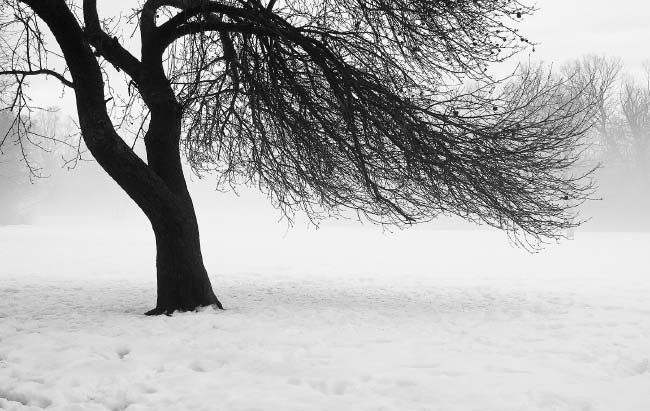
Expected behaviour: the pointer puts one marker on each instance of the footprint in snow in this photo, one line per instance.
(122, 352)
(405, 382)
(338, 387)
(198, 367)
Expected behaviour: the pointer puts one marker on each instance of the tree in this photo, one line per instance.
(25, 156)
(597, 77)
(10, 175)
(18, 192)
(635, 105)
(325, 106)
(620, 137)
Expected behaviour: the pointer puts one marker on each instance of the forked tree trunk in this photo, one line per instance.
(158, 187)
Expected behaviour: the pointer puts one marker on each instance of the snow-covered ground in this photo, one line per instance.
(337, 319)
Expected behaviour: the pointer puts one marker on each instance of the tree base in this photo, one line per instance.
(169, 311)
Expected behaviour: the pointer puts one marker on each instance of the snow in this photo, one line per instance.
(334, 319)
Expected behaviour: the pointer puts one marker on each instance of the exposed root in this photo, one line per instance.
(168, 312)
(157, 311)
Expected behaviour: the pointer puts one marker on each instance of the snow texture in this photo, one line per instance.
(327, 320)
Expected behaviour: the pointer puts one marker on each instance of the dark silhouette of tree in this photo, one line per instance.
(382, 107)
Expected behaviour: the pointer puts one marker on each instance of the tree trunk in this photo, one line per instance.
(183, 282)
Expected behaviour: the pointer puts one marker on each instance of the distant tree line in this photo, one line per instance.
(26, 157)
(619, 139)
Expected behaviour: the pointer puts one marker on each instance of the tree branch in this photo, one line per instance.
(47, 72)
(198, 27)
(107, 46)
(179, 25)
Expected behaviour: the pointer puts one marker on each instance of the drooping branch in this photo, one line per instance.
(314, 130)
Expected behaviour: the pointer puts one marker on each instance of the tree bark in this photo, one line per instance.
(183, 282)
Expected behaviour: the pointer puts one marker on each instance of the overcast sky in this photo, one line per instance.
(570, 28)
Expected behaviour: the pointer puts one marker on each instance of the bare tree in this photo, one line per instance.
(324, 105)
(597, 78)
(18, 194)
(635, 106)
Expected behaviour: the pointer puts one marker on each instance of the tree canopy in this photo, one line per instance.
(387, 108)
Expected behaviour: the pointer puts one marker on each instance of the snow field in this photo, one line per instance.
(328, 320)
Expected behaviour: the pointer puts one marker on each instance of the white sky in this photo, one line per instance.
(570, 28)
